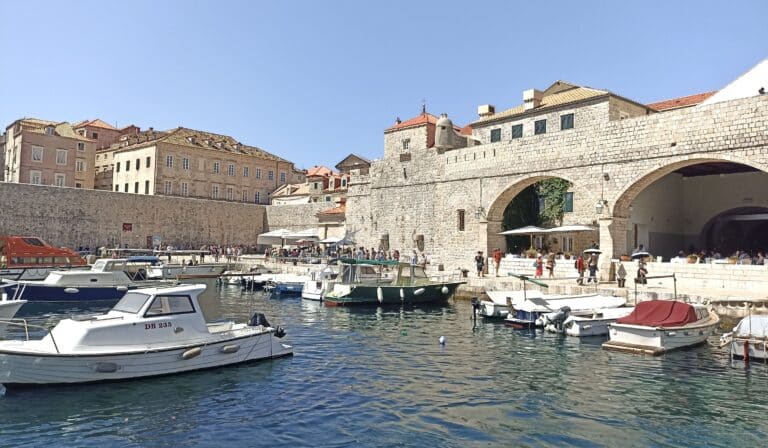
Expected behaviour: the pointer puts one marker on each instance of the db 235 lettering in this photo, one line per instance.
(156, 325)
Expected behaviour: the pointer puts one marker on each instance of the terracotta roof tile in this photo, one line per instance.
(97, 123)
(340, 210)
(422, 118)
(319, 171)
(683, 101)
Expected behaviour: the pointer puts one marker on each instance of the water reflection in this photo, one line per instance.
(378, 376)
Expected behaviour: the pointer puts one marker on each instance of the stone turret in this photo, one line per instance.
(445, 136)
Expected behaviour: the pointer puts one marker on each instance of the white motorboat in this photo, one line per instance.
(594, 324)
(530, 311)
(319, 283)
(500, 301)
(286, 283)
(153, 331)
(9, 305)
(748, 339)
(658, 326)
(172, 271)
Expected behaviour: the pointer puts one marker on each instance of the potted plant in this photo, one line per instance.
(625, 257)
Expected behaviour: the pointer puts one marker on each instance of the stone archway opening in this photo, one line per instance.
(536, 201)
(693, 206)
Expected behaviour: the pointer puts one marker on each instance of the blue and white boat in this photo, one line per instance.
(288, 284)
(105, 281)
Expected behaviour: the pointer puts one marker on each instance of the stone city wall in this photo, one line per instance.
(295, 217)
(78, 217)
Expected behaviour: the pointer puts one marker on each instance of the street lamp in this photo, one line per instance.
(602, 203)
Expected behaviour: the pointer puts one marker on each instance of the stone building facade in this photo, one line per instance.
(451, 204)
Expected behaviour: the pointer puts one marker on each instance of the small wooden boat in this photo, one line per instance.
(149, 332)
(659, 326)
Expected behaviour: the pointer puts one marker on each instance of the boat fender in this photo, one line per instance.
(418, 292)
(71, 290)
(232, 348)
(122, 288)
(380, 294)
(105, 367)
(402, 293)
(279, 333)
(746, 352)
(445, 290)
(192, 353)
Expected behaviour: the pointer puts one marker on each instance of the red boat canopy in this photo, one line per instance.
(661, 313)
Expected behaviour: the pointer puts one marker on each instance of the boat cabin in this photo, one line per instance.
(105, 272)
(142, 319)
(392, 273)
(32, 252)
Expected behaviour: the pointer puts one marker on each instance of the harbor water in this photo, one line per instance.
(379, 377)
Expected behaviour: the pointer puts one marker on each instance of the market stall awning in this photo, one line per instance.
(527, 230)
(277, 236)
(571, 228)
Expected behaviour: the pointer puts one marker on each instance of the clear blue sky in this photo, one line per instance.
(313, 81)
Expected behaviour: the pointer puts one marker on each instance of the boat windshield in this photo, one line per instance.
(131, 302)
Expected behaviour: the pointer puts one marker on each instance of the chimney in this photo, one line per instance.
(486, 110)
(532, 98)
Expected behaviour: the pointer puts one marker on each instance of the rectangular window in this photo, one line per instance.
(61, 157)
(167, 305)
(271, 175)
(282, 177)
(168, 187)
(230, 194)
(149, 161)
(184, 189)
(257, 197)
(136, 187)
(125, 187)
(343, 183)
(35, 177)
(245, 171)
(37, 153)
(460, 221)
(95, 135)
(79, 165)
(540, 127)
(78, 185)
(566, 121)
(327, 199)
(215, 191)
(169, 161)
(216, 167)
(258, 173)
(245, 195)
(517, 131)
(315, 185)
(495, 135)
(117, 167)
(146, 187)
(231, 170)
(117, 187)
(185, 164)
(568, 202)
(406, 144)
(80, 146)
(59, 179)
(127, 165)
(138, 164)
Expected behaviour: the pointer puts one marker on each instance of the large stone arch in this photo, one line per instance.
(613, 228)
(495, 212)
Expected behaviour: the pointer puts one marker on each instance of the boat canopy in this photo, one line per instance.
(661, 313)
(755, 326)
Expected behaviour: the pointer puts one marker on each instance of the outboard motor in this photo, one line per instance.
(475, 307)
(258, 319)
(558, 319)
(279, 333)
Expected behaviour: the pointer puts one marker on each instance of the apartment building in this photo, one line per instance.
(48, 153)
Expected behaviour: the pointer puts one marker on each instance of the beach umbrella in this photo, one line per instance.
(527, 230)
(571, 228)
(273, 237)
(593, 251)
(640, 254)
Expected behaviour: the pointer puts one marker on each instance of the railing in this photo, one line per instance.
(19, 322)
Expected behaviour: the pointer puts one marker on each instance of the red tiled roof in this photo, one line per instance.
(684, 101)
(319, 171)
(340, 210)
(97, 123)
(466, 130)
(423, 118)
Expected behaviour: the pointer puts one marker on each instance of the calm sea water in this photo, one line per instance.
(378, 377)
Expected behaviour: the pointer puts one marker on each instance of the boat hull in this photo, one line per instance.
(27, 369)
(42, 293)
(390, 295)
(754, 348)
(491, 310)
(288, 288)
(171, 272)
(657, 340)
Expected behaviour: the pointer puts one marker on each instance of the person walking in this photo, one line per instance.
(642, 273)
(580, 268)
(621, 275)
(551, 265)
(496, 260)
(539, 264)
(592, 266)
(479, 263)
